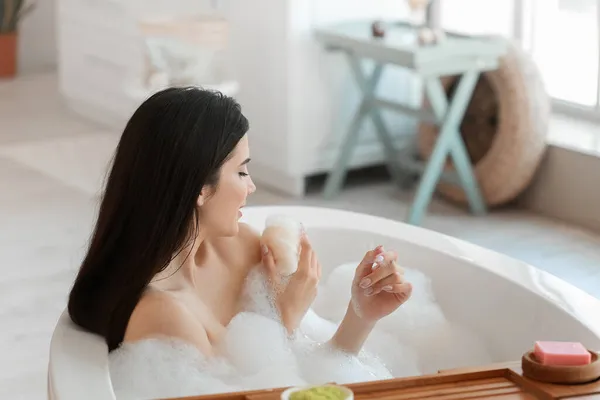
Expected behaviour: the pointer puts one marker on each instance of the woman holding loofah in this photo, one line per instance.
(378, 288)
(169, 257)
(376, 292)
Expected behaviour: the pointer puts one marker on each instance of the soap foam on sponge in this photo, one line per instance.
(282, 236)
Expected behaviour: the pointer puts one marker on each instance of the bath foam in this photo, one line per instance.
(419, 327)
(163, 368)
(398, 358)
(244, 344)
(257, 353)
(255, 294)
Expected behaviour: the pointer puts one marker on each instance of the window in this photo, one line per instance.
(561, 35)
(563, 40)
(477, 17)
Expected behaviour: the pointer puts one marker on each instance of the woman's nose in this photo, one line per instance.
(251, 187)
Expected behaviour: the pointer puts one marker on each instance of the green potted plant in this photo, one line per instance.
(11, 13)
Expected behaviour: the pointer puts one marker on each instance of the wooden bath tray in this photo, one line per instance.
(498, 382)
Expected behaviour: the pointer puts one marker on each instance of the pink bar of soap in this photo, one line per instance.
(561, 353)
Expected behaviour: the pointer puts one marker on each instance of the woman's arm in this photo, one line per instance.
(352, 332)
(378, 289)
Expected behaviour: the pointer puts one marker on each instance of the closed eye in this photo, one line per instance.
(243, 164)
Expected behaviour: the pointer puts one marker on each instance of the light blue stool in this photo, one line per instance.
(456, 55)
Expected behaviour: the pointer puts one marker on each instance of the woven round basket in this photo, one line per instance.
(504, 129)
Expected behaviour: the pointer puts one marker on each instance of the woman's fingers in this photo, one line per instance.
(366, 265)
(385, 266)
(269, 263)
(315, 265)
(305, 259)
(402, 291)
(318, 270)
(394, 283)
(309, 268)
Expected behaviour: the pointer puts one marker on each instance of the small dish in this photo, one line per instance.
(346, 391)
(560, 374)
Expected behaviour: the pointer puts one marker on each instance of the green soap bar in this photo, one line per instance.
(319, 393)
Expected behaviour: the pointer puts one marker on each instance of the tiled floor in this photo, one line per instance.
(51, 165)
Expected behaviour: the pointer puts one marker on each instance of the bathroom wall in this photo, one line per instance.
(100, 53)
(38, 36)
(299, 97)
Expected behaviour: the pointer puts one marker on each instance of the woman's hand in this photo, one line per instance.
(295, 298)
(378, 288)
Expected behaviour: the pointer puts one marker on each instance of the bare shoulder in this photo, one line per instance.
(159, 314)
(249, 243)
(242, 249)
(249, 238)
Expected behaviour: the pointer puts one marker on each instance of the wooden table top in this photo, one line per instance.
(499, 381)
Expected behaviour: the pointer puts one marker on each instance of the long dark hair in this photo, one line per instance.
(174, 145)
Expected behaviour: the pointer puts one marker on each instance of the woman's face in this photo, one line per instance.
(220, 211)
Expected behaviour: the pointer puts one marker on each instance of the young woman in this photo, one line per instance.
(168, 256)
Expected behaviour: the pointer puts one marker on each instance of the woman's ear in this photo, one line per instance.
(205, 195)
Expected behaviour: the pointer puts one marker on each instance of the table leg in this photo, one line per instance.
(449, 142)
(458, 150)
(381, 129)
(338, 172)
(367, 86)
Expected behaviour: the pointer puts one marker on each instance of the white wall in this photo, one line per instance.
(298, 97)
(37, 39)
(323, 95)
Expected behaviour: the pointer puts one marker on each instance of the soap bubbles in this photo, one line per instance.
(257, 353)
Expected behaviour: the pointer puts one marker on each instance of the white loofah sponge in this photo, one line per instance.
(282, 236)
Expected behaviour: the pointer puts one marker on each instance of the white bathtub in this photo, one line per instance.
(508, 303)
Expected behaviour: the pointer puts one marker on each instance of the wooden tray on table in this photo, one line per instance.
(498, 382)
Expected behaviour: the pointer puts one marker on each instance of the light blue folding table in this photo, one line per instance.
(459, 55)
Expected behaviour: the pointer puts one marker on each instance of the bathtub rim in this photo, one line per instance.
(581, 305)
